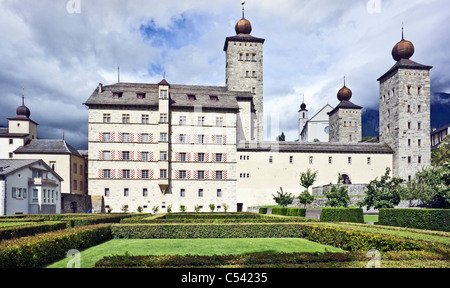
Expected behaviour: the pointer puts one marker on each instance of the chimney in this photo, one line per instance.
(100, 88)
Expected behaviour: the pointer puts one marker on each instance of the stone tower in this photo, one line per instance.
(302, 119)
(244, 71)
(405, 111)
(345, 119)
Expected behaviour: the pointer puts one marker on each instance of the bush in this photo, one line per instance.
(354, 215)
(301, 212)
(262, 210)
(42, 249)
(428, 219)
(29, 230)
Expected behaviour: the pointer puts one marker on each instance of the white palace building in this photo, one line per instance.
(166, 145)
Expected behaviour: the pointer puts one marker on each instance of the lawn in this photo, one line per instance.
(194, 246)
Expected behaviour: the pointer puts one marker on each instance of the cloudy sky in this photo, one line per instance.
(59, 50)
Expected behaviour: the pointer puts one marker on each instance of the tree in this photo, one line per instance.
(139, 209)
(182, 208)
(383, 193)
(337, 197)
(283, 198)
(212, 207)
(441, 154)
(225, 207)
(308, 178)
(305, 198)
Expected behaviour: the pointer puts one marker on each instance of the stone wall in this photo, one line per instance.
(75, 203)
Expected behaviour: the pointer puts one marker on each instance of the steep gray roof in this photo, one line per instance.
(178, 96)
(9, 166)
(47, 147)
(345, 104)
(322, 147)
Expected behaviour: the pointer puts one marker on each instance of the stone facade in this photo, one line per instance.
(405, 117)
(346, 126)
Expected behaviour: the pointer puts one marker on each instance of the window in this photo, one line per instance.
(330, 160)
(81, 169)
(247, 57)
(369, 160)
(182, 138)
(163, 174)
(182, 157)
(409, 142)
(11, 155)
(201, 157)
(419, 108)
(419, 126)
(409, 125)
(126, 174)
(140, 95)
(106, 155)
(201, 139)
(419, 143)
(107, 173)
(219, 121)
(81, 185)
(125, 118)
(182, 192)
(253, 90)
(219, 139)
(144, 174)
(350, 138)
(35, 196)
(219, 175)
(53, 165)
(254, 74)
(219, 192)
(163, 155)
(201, 174)
(192, 98)
(107, 137)
(219, 157)
(145, 119)
(409, 159)
(144, 138)
(291, 159)
(163, 94)
(311, 159)
(409, 108)
(200, 192)
(214, 98)
(126, 192)
(125, 155)
(163, 118)
(182, 174)
(144, 156)
(117, 94)
(253, 57)
(247, 74)
(144, 192)
(183, 120)
(270, 159)
(201, 121)
(349, 160)
(125, 137)
(163, 137)
(240, 56)
(106, 118)
(419, 160)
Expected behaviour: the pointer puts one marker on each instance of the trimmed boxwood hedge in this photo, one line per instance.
(29, 230)
(301, 212)
(428, 219)
(353, 215)
(346, 239)
(43, 249)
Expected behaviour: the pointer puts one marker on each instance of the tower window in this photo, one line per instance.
(409, 159)
(409, 125)
(409, 89)
(409, 108)
(240, 56)
(418, 108)
(419, 126)
(254, 57)
(419, 142)
(419, 89)
(419, 160)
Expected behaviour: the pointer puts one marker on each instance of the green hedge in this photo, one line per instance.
(354, 215)
(43, 249)
(263, 210)
(347, 239)
(428, 219)
(29, 230)
(244, 215)
(300, 212)
(96, 219)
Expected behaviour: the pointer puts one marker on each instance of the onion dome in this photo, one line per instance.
(303, 106)
(23, 111)
(243, 26)
(403, 49)
(345, 94)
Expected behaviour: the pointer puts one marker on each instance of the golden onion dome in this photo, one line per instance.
(243, 26)
(403, 49)
(345, 94)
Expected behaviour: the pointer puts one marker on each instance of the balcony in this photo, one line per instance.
(42, 182)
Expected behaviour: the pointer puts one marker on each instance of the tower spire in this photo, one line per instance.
(403, 38)
(243, 9)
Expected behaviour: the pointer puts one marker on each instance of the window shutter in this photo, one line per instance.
(24, 193)
(13, 192)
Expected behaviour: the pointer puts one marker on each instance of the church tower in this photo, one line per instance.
(302, 119)
(345, 119)
(244, 71)
(405, 111)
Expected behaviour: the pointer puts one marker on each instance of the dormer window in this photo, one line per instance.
(192, 98)
(117, 94)
(163, 94)
(214, 98)
(140, 95)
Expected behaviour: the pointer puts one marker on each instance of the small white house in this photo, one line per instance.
(29, 187)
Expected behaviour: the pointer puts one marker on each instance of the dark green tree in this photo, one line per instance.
(305, 198)
(283, 198)
(383, 193)
(308, 178)
(441, 154)
(337, 197)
